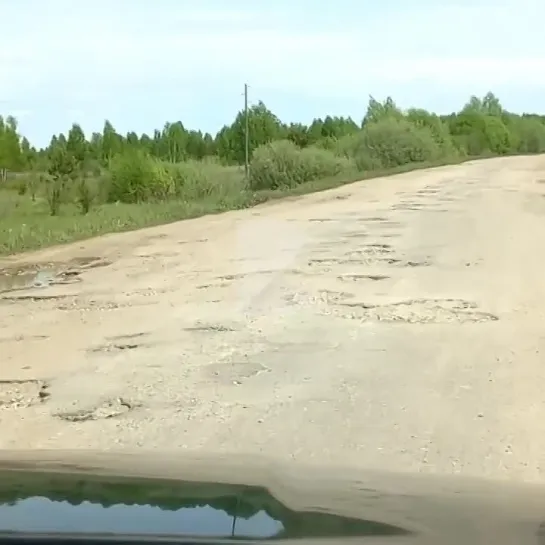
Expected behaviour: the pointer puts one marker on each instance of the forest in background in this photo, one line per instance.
(85, 185)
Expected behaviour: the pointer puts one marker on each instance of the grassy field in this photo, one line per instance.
(26, 224)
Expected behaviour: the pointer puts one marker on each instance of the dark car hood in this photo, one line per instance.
(152, 494)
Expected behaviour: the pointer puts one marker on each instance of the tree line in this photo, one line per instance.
(481, 126)
(173, 143)
(179, 163)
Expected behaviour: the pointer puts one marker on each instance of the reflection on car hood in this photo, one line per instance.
(151, 494)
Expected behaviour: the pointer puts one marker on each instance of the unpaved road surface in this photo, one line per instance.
(392, 324)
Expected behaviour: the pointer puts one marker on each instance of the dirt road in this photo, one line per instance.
(392, 324)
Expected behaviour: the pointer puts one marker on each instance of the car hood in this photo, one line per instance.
(255, 498)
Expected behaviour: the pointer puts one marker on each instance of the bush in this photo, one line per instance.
(84, 195)
(136, 177)
(392, 142)
(531, 134)
(282, 164)
(478, 134)
(320, 163)
(438, 129)
(54, 190)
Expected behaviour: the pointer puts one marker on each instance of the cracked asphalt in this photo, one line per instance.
(395, 323)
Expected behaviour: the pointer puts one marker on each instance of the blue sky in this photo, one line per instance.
(140, 63)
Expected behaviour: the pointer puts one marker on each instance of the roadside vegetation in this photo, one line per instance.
(85, 185)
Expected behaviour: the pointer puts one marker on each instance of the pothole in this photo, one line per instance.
(111, 408)
(127, 337)
(158, 254)
(387, 224)
(22, 279)
(209, 286)
(321, 297)
(20, 394)
(160, 236)
(198, 240)
(358, 277)
(330, 296)
(421, 311)
(324, 261)
(356, 234)
(424, 263)
(336, 198)
(42, 275)
(88, 262)
(374, 219)
(35, 298)
(115, 347)
(371, 250)
(235, 372)
(379, 245)
(74, 303)
(66, 277)
(360, 258)
(240, 276)
(22, 337)
(402, 263)
(210, 328)
(413, 207)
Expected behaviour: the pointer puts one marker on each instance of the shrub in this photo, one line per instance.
(275, 165)
(191, 180)
(322, 163)
(392, 142)
(84, 195)
(136, 177)
(438, 129)
(282, 164)
(531, 134)
(197, 180)
(54, 190)
(479, 134)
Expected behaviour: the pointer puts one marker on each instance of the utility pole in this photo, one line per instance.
(246, 135)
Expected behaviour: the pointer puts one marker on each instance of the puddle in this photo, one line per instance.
(47, 274)
(24, 279)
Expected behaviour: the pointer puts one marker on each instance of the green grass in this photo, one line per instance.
(26, 225)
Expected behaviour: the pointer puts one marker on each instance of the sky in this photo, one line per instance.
(141, 63)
